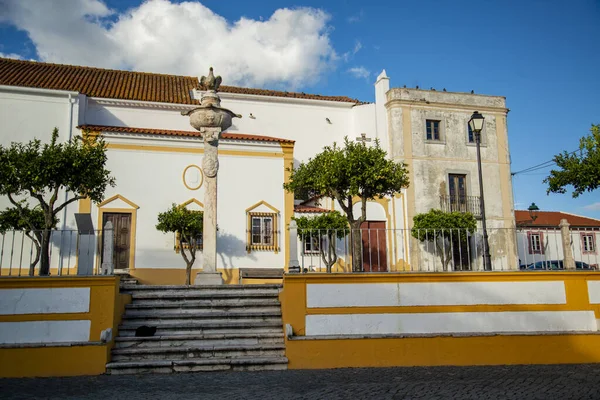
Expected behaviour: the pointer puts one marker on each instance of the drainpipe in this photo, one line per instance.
(71, 101)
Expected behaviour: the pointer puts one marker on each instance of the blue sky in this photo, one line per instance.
(543, 56)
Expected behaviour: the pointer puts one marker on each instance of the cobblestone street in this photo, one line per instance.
(511, 382)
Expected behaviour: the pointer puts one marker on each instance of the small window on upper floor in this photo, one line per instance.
(471, 135)
(433, 129)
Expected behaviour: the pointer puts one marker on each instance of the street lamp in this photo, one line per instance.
(476, 125)
(533, 209)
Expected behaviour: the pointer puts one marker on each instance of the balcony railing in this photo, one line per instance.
(463, 204)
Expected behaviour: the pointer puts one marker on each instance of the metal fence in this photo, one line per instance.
(70, 253)
(439, 250)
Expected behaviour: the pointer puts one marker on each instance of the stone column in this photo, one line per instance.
(210, 166)
(210, 119)
(565, 233)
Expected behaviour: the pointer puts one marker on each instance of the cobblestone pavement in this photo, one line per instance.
(503, 382)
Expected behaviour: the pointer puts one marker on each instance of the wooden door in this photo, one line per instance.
(374, 244)
(458, 192)
(122, 239)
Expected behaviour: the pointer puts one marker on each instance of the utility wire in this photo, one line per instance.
(540, 166)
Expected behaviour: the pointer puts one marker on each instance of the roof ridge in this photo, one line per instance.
(87, 67)
(84, 69)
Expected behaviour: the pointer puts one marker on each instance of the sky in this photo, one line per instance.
(542, 55)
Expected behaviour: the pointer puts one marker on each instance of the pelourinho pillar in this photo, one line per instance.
(210, 120)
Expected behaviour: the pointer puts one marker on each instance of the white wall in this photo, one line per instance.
(552, 244)
(28, 114)
(154, 180)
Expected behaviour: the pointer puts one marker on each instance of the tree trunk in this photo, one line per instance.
(37, 252)
(356, 246)
(188, 273)
(45, 252)
(331, 257)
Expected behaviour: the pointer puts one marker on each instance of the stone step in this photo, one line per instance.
(197, 365)
(199, 310)
(208, 287)
(208, 303)
(202, 351)
(177, 330)
(179, 321)
(201, 314)
(199, 294)
(238, 338)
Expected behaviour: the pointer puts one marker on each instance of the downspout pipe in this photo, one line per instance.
(71, 101)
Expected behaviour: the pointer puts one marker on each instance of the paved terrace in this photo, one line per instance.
(500, 382)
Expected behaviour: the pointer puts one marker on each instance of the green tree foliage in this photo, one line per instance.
(343, 173)
(38, 171)
(323, 229)
(444, 230)
(580, 170)
(188, 224)
(30, 222)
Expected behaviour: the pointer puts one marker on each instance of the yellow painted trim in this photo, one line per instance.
(288, 208)
(443, 350)
(192, 200)
(85, 206)
(262, 203)
(171, 149)
(58, 361)
(201, 177)
(119, 197)
(133, 233)
(435, 105)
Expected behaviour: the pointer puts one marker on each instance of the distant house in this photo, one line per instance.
(538, 239)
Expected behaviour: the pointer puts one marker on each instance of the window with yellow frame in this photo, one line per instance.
(263, 234)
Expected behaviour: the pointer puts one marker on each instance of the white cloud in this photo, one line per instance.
(288, 49)
(593, 207)
(356, 18)
(349, 54)
(360, 72)
(11, 55)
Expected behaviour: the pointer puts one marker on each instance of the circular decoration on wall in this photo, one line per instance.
(193, 177)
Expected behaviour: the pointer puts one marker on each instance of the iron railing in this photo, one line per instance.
(70, 253)
(440, 250)
(470, 204)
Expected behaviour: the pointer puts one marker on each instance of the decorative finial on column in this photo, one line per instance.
(210, 82)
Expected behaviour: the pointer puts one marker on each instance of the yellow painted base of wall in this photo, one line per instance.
(437, 351)
(53, 361)
(176, 276)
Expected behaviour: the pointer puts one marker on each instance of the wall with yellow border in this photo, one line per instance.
(106, 307)
(339, 351)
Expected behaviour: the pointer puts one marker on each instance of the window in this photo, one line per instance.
(312, 245)
(588, 242)
(471, 135)
(179, 242)
(536, 243)
(262, 231)
(433, 129)
(262, 226)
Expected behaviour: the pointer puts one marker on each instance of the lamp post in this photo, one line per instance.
(476, 125)
(533, 209)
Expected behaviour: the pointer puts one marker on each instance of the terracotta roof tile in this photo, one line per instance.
(127, 85)
(552, 219)
(309, 209)
(171, 132)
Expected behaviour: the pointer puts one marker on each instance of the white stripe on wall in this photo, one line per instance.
(44, 301)
(473, 293)
(434, 294)
(594, 291)
(45, 331)
(432, 323)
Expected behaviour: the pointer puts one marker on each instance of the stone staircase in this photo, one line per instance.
(200, 328)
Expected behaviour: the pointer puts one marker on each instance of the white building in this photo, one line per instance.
(540, 243)
(155, 157)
